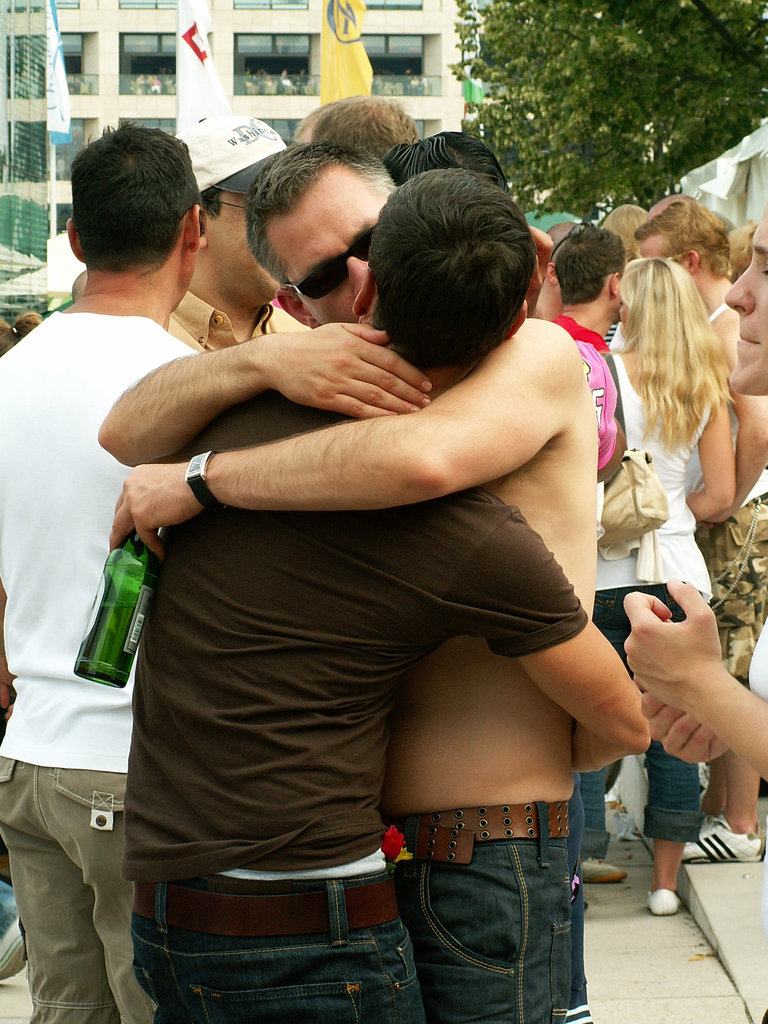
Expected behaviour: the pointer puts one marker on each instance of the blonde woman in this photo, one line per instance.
(674, 387)
(624, 220)
(11, 334)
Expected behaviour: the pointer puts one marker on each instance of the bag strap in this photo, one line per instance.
(619, 414)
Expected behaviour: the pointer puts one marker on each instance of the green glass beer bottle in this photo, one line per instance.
(118, 614)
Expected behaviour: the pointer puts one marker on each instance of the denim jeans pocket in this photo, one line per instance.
(492, 935)
(604, 609)
(560, 979)
(337, 1002)
(144, 979)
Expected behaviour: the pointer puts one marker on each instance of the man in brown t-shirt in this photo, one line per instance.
(272, 659)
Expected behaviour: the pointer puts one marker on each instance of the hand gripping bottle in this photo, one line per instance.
(118, 614)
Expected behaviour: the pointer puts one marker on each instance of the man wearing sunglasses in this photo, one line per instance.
(229, 300)
(526, 398)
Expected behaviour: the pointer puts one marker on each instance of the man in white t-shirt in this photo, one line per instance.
(136, 225)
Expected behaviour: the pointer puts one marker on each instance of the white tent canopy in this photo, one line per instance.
(734, 184)
(63, 265)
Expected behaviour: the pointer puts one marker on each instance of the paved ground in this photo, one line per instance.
(641, 968)
(659, 970)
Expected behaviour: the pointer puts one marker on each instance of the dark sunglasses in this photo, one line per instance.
(330, 274)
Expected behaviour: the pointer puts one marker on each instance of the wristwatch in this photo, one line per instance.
(195, 477)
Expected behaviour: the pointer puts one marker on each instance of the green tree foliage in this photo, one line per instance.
(591, 102)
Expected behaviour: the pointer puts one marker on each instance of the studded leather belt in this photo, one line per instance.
(450, 835)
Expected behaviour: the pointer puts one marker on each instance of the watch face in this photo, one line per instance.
(193, 469)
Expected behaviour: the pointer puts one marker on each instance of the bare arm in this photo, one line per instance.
(522, 396)
(679, 664)
(718, 468)
(614, 462)
(344, 368)
(6, 679)
(586, 677)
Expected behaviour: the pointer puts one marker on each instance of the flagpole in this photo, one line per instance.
(52, 161)
(58, 122)
(179, 44)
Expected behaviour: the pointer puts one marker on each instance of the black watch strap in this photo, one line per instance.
(195, 477)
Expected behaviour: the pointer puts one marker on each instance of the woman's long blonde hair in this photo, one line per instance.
(681, 368)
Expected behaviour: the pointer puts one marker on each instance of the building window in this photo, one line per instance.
(147, 64)
(66, 153)
(271, 5)
(72, 44)
(398, 66)
(148, 5)
(167, 124)
(395, 5)
(25, 67)
(273, 65)
(285, 127)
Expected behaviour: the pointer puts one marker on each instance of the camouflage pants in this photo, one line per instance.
(741, 616)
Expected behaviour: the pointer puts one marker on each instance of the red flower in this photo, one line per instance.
(392, 843)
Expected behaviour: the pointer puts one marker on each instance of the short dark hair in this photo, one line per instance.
(371, 123)
(287, 176)
(446, 149)
(452, 256)
(211, 201)
(130, 191)
(584, 259)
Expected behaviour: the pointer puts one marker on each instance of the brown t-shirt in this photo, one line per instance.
(273, 653)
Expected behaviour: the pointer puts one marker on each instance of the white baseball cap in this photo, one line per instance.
(228, 151)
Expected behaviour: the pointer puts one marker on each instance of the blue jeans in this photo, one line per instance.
(596, 837)
(8, 911)
(348, 976)
(573, 846)
(491, 938)
(672, 811)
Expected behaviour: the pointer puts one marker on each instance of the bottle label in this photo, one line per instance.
(139, 617)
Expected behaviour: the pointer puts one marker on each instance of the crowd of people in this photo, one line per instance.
(360, 774)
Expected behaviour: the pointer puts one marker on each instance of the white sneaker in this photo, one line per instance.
(718, 842)
(11, 951)
(663, 902)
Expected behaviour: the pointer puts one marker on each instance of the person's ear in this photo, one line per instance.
(193, 228)
(691, 261)
(522, 316)
(551, 275)
(74, 240)
(292, 304)
(366, 296)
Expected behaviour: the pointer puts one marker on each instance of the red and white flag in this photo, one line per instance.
(199, 92)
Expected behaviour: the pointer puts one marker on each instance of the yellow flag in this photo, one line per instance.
(346, 70)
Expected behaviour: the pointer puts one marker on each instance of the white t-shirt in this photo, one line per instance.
(680, 554)
(58, 490)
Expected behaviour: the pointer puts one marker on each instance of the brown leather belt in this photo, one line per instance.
(451, 835)
(300, 913)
